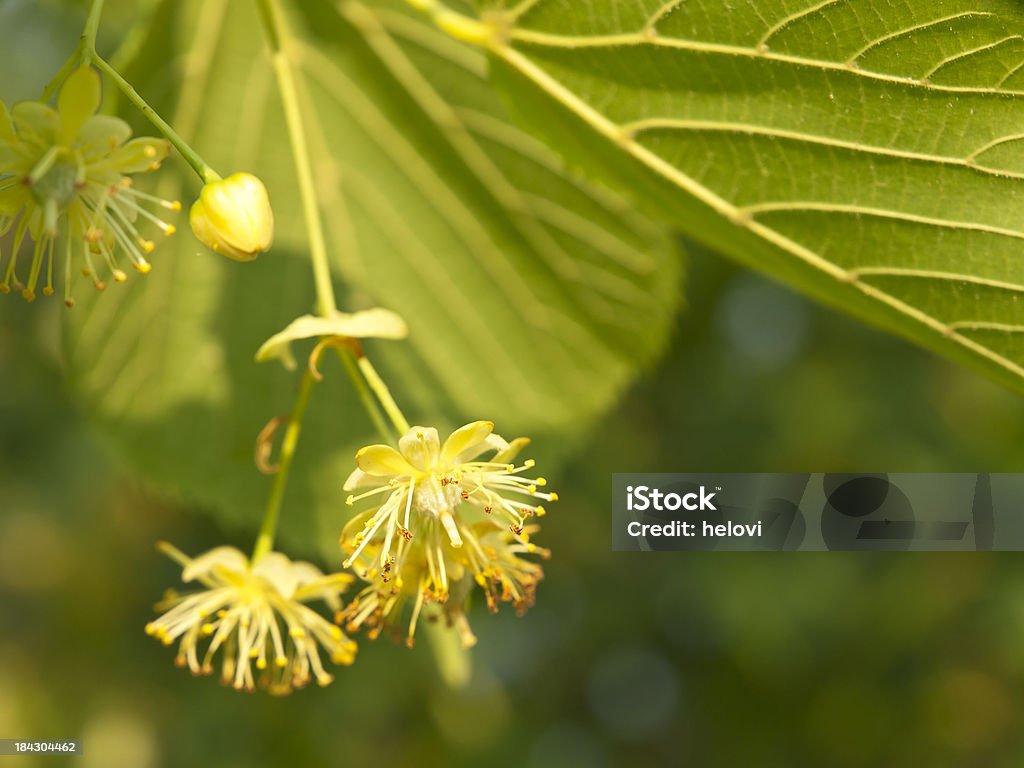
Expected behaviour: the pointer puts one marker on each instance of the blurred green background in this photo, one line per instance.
(708, 658)
(703, 659)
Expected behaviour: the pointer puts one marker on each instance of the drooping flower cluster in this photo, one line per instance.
(254, 613)
(65, 183)
(448, 517)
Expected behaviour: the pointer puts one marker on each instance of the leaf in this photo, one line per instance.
(869, 153)
(532, 298)
(370, 323)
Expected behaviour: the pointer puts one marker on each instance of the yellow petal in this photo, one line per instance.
(35, 122)
(78, 101)
(276, 569)
(382, 461)
(103, 133)
(137, 156)
(227, 558)
(510, 450)
(421, 446)
(378, 323)
(464, 439)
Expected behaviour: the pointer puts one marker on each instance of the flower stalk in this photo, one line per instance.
(265, 538)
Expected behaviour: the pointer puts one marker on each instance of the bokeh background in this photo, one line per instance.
(703, 659)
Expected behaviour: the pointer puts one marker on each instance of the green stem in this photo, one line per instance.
(277, 35)
(205, 172)
(87, 43)
(348, 360)
(83, 53)
(265, 539)
(453, 661)
(383, 394)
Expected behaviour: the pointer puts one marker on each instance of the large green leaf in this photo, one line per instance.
(868, 152)
(531, 297)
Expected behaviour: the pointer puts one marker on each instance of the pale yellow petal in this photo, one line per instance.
(103, 134)
(382, 461)
(227, 558)
(510, 450)
(465, 440)
(277, 570)
(422, 447)
(78, 101)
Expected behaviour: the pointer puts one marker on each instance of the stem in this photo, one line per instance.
(383, 394)
(205, 172)
(84, 52)
(453, 661)
(265, 539)
(277, 33)
(348, 360)
(87, 43)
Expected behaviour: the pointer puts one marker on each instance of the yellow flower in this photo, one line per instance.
(255, 612)
(233, 217)
(64, 171)
(449, 518)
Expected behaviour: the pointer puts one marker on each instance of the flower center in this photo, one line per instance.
(59, 184)
(436, 494)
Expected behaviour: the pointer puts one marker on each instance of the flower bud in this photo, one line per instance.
(233, 217)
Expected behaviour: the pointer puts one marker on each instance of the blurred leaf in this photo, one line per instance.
(868, 153)
(532, 298)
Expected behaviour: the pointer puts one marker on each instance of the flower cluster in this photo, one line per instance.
(66, 171)
(255, 613)
(447, 518)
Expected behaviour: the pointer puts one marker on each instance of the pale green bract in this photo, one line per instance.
(370, 323)
(868, 152)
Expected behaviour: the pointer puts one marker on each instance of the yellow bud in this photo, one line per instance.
(233, 217)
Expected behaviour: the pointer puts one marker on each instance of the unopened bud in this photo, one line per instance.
(233, 217)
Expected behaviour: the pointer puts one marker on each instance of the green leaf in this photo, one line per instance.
(532, 298)
(869, 153)
(370, 323)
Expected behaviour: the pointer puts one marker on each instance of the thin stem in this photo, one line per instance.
(83, 53)
(87, 43)
(205, 172)
(383, 394)
(265, 539)
(277, 35)
(348, 360)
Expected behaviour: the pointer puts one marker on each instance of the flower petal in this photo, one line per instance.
(277, 570)
(137, 156)
(103, 134)
(228, 558)
(510, 450)
(35, 122)
(382, 461)
(359, 479)
(78, 101)
(379, 323)
(464, 440)
(421, 446)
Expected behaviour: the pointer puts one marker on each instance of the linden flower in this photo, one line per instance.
(255, 612)
(448, 514)
(64, 171)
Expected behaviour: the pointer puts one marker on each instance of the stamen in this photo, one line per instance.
(48, 290)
